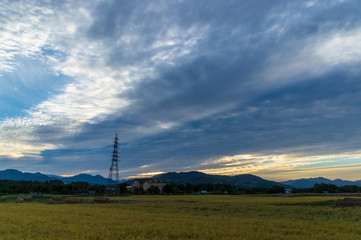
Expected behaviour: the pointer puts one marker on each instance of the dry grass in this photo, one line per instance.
(346, 202)
(73, 200)
(101, 200)
(27, 198)
(57, 198)
(184, 217)
(19, 200)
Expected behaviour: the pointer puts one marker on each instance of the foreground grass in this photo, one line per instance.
(183, 217)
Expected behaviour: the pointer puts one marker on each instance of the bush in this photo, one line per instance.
(57, 198)
(153, 190)
(73, 200)
(27, 198)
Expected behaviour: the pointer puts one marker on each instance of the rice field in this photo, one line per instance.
(183, 217)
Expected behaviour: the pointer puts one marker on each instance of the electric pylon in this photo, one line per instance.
(112, 185)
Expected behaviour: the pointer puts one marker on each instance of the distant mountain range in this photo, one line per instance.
(12, 174)
(309, 182)
(194, 177)
(244, 180)
(247, 180)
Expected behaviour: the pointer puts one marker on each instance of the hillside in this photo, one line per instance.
(194, 177)
(12, 174)
(310, 182)
(243, 180)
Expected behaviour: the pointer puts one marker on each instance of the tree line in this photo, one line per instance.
(59, 187)
(52, 187)
(229, 189)
(189, 188)
(330, 188)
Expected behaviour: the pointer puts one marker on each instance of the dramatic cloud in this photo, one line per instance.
(224, 87)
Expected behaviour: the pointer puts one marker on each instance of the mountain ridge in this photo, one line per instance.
(194, 177)
(310, 182)
(13, 174)
(243, 180)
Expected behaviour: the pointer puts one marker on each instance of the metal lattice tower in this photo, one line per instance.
(112, 184)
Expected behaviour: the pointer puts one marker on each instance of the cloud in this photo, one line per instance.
(183, 82)
(22, 31)
(282, 167)
(345, 172)
(340, 48)
(315, 57)
(97, 87)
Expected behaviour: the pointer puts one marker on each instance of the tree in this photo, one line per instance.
(167, 189)
(276, 189)
(153, 190)
(322, 187)
(122, 187)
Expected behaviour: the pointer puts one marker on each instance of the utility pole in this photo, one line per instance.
(112, 185)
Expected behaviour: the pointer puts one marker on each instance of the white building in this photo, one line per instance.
(146, 183)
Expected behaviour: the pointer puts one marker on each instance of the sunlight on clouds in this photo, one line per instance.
(18, 140)
(144, 175)
(150, 173)
(145, 166)
(70, 174)
(345, 172)
(21, 148)
(273, 166)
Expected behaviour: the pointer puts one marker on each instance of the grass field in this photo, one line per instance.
(183, 217)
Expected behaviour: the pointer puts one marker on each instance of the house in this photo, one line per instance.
(145, 183)
(288, 191)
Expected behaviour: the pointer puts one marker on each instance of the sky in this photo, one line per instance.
(270, 88)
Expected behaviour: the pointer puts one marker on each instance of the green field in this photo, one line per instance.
(183, 217)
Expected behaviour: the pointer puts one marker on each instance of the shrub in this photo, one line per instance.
(57, 198)
(73, 200)
(348, 202)
(153, 190)
(27, 198)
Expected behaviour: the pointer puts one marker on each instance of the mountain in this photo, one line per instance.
(309, 182)
(85, 178)
(194, 177)
(12, 174)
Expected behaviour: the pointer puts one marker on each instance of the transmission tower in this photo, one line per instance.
(112, 184)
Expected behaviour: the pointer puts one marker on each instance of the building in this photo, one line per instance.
(143, 184)
(288, 191)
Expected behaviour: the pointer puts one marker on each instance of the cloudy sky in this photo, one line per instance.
(271, 88)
